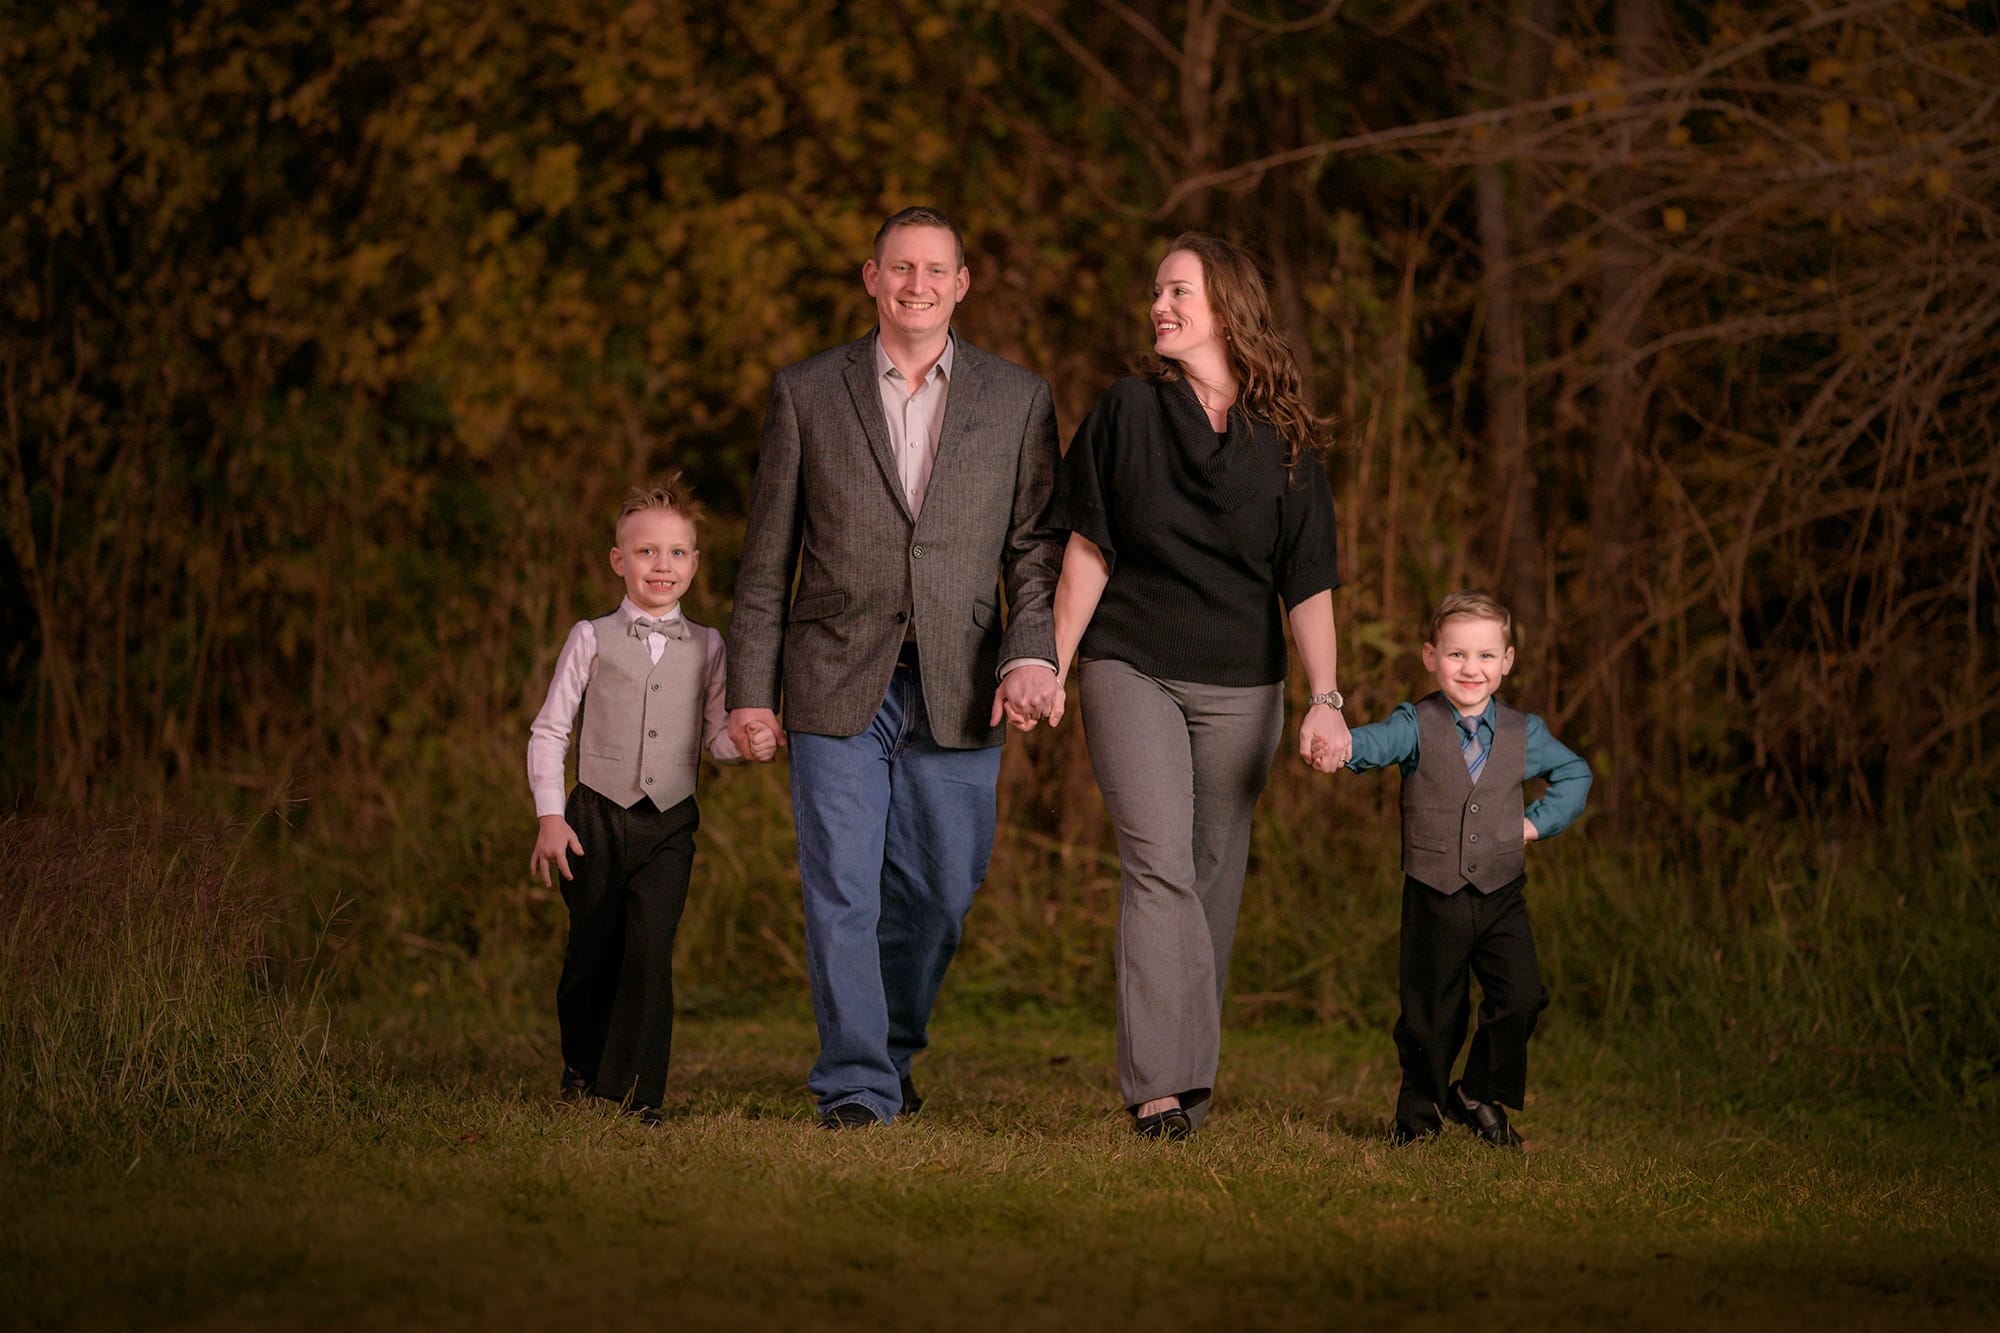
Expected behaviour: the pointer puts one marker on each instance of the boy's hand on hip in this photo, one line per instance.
(1528, 833)
(552, 841)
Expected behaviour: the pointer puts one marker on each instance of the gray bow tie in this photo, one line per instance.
(675, 628)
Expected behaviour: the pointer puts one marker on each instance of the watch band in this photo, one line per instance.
(1333, 697)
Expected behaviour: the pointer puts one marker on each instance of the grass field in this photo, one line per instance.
(423, 1185)
(227, 1102)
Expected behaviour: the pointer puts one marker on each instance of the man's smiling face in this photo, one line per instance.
(917, 281)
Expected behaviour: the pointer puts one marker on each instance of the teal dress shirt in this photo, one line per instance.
(1393, 740)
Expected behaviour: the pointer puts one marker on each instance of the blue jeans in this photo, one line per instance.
(895, 833)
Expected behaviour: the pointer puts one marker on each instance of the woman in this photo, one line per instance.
(1197, 509)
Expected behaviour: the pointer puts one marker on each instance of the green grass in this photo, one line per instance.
(423, 1195)
(1760, 1100)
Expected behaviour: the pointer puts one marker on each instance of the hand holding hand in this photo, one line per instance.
(1324, 741)
(1027, 694)
(741, 720)
(552, 841)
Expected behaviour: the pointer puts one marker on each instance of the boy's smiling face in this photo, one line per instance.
(1469, 659)
(657, 558)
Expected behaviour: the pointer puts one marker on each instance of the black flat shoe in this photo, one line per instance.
(1171, 1123)
(1482, 1118)
(575, 1087)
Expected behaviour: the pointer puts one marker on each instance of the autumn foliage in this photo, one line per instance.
(333, 331)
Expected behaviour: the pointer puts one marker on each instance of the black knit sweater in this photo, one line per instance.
(1207, 539)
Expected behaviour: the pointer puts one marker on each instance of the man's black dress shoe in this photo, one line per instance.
(849, 1115)
(575, 1087)
(1172, 1123)
(912, 1103)
(1483, 1118)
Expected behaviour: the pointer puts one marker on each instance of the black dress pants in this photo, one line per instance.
(1448, 939)
(615, 1002)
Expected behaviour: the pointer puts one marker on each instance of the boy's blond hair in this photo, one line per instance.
(671, 494)
(1467, 602)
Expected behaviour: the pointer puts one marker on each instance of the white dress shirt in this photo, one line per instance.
(916, 419)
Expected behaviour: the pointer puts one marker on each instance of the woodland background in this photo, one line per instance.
(333, 333)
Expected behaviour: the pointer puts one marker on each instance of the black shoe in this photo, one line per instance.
(647, 1115)
(1172, 1123)
(912, 1103)
(849, 1115)
(1486, 1119)
(575, 1087)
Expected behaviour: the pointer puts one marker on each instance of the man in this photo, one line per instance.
(902, 479)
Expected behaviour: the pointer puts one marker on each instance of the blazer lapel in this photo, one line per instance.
(961, 406)
(867, 397)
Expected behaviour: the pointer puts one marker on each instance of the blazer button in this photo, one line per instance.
(652, 734)
(902, 616)
(916, 553)
(656, 686)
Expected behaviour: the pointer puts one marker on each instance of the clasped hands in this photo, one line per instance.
(1324, 740)
(1028, 694)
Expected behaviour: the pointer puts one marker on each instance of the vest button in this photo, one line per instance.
(1470, 869)
(656, 687)
(1473, 838)
(651, 734)
(916, 553)
(649, 782)
(902, 616)
(1474, 807)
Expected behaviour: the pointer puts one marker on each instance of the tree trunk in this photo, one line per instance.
(1516, 551)
(1613, 596)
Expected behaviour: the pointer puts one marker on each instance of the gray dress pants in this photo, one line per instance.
(1181, 766)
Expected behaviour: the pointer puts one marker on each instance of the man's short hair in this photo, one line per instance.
(671, 494)
(920, 216)
(1466, 602)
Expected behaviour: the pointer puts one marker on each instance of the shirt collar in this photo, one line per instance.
(883, 365)
(633, 611)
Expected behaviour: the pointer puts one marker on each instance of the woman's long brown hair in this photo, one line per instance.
(1269, 386)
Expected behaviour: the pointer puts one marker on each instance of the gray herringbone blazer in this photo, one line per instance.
(829, 505)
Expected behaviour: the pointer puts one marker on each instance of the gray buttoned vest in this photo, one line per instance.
(1454, 833)
(641, 732)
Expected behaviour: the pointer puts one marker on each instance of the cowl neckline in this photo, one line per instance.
(1228, 468)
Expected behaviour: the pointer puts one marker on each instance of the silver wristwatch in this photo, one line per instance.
(1333, 697)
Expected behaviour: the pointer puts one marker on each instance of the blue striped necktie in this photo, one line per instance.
(1469, 746)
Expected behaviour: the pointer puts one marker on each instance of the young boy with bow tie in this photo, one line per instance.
(648, 684)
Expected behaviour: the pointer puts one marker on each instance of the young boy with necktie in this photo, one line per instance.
(1464, 756)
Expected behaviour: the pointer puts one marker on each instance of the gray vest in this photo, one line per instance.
(641, 732)
(1454, 833)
